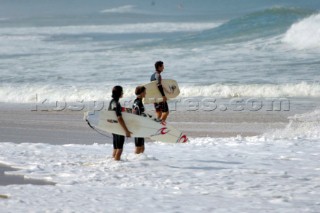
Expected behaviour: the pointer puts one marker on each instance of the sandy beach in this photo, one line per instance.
(21, 123)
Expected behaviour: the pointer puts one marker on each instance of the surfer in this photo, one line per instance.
(162, 109)
(118, 140)
(138, 109)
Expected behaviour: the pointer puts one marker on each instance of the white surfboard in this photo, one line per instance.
(173, 136)
(139, 126)
(170, 87)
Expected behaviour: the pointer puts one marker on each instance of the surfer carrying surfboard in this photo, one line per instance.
(118, 140)
(138, 109)
(162, 109)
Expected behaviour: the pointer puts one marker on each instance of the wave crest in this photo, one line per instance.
(28, 93)
(302, 89)
(304, 34)
(270, 22)
(121, 9)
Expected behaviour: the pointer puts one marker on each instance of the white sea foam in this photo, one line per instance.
(121, 9)
(304, 34)
(300, 126)
(204, 175)
(53, 93)
(307, 117)
(32, 94)
(156, 27)
(302, 89)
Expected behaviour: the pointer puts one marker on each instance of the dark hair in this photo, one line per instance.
(117, 92)
(140, 89)
(158, 64)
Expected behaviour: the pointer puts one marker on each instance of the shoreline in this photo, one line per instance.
(68, 127)
(6, 179)
(20, 123)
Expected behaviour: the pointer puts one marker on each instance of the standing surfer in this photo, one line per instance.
(118, 140)
(162, 109)
(138, 109)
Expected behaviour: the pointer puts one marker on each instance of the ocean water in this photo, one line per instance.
(74, 51)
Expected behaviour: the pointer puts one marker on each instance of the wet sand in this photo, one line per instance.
(19, 124)
(17, 179)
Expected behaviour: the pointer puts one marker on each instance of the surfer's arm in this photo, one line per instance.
(161, 90)
(162, 93)
(167, 91)
(122, 123)
(160, 87)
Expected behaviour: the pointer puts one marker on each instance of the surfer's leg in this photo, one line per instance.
(142, 149)
(158, 114)
(114, 145)
(118, 154)
(138, 150)
(136, 141)
(165, 111)
(164, 116)
(119, 146)
(142, 146)
(139, 142)
(158, 110)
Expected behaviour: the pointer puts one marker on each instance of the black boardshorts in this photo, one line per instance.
(139, 142)
(161, 107)
(118, 141)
